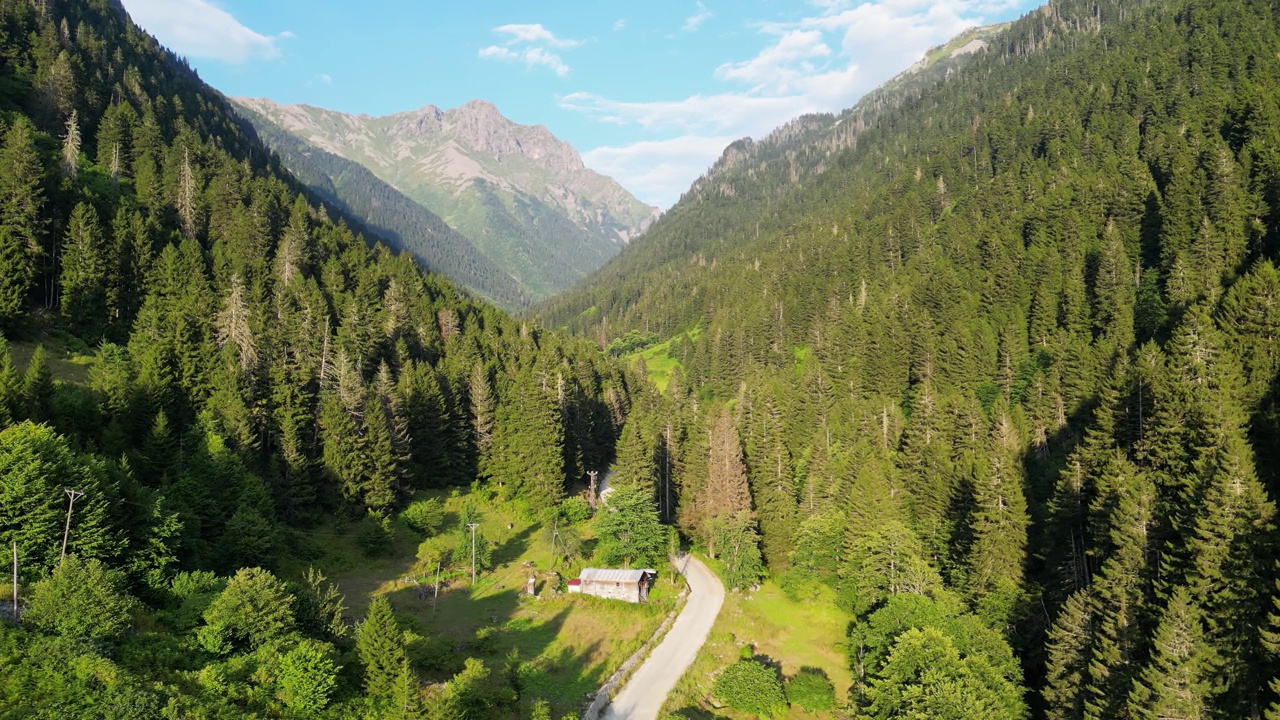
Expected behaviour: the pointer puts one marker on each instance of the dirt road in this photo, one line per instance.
(645, 692)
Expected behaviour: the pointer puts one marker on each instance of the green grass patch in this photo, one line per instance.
(658, 363)
(566, 646)
(69, 358)
(801, 354)
(792, 634)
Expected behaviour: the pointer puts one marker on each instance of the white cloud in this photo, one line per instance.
(531, 57)
(528, 44)
(201, 29)
(692, 22)
(325, 78)
(821, 63)
(779, 65)
(735, 114)
(621, 24)
(658, 171)
(535, 34)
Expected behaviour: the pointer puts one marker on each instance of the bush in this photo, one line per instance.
(800, 585)
(84, 599)
(434, 552)
(751, 687)
(575, 510)
(192, 593)
(811, 690)
(424, 516)
(253, 609)
(308, 676)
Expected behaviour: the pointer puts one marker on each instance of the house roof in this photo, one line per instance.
(615, 575)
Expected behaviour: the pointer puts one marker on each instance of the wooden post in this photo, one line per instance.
(555, 533)
(436, 600)
(473, 554)
(15, 581)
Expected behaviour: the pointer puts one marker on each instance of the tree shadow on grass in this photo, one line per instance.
(696, 713)
(511, 634)
(513, 547)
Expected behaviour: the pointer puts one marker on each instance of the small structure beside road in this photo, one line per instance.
(629, 585)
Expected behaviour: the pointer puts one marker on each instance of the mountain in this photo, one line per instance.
(257, 390)
(519, 194)
(990, 363)
(722, 203)
(403, 223)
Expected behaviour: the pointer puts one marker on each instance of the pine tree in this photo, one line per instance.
(406, 698)
(380, 644)
(383, 462)
(635, 467)
(1000, 524)
(770, 471)
(71, 147)
(482, 412)
(1121, 589)
(37, 387)
(86, 266)
(1228, 572)
(1175, 682)
(726, 491)
(22, 218)
(1067, 669)
(11, 399)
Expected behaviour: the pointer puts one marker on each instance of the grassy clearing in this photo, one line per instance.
(657, 359)
(69, 358)
(801, 353)
(791, 634)
(566, 646)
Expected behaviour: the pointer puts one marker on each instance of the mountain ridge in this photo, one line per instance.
(403, 223)
(519, 193)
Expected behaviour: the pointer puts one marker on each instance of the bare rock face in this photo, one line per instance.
(517, 190)
(425, 123)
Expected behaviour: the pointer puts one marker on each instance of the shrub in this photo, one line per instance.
(424, 516)
(253, 609)
(308, 676)
(83, 599)
(751, 687)
(800, 585)
(575, 510)
(811, 690)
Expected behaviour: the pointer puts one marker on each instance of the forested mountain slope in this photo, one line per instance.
(259, 367)
(351, 188)
(725, 203)
(1011, 358)
(521, 195)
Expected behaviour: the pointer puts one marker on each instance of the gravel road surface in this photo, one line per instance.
(645, 692)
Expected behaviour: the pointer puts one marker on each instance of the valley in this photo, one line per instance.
(956, 397)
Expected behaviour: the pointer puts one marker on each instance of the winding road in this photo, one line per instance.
(645, 692)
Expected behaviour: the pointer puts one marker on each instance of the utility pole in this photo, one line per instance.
(473, 554)
(555, 535)
(591, 496)
(667, 484)
(66, 531)
(436, 600)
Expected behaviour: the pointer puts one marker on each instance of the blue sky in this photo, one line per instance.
(649, 92)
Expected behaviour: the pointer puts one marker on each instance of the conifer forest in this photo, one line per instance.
(986, 368)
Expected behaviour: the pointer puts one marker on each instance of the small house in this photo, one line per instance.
(630, 585)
